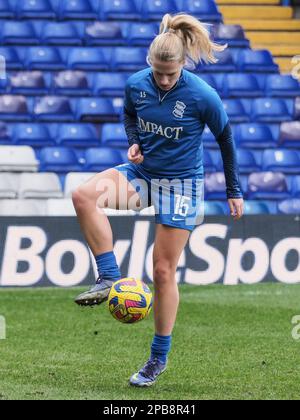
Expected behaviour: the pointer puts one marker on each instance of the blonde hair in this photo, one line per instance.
(183, 37)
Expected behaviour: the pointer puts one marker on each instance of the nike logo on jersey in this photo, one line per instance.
(168, 132)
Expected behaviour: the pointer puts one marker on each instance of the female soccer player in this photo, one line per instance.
(166, 109)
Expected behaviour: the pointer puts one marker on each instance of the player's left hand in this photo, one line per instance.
(236, 207)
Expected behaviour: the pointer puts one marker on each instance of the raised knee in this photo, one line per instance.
(80, 197)
(163, 273)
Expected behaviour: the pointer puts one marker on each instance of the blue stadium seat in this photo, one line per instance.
(87, 59)
(79, 9)
(102, 158)
(28, 83)
(71, 83)
(225, 63)
(282, 86)
(141, 33)
(58, 159)
(12, 60)
(215, 186)
(291, 206)
(296, 186)
(208, 162)
(124, 156)
(290, 134)
(41, 9)
(268, 186)
(129, 59)
(233, 35)
(270, 110)
(119, 10)
(241, 85)
(77, 135)
(256, 61)
(18, 33)
(281, 160)
(43, 58)
(155, 10)
(13, 108)
(213, 208)
(256, 136)
(31, 134)
(109, 84)
(205, 10)
(60, 34)
(297, 108)
(96, 110)
(235, 110)
(252, 207)
(5, 135)
(6, 12)
(53, 108)
(114, 135)
(247, 162)
(104, 33)
(209, 79)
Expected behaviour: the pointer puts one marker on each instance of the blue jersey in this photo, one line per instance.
(171, 124)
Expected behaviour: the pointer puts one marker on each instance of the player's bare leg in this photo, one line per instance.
(108, 189)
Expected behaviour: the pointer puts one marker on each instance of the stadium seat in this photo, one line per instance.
(256, 136)
(215, 186)
(74, 180)
(235, 110)
(129, 59)
(297, 108)
(204, 10)
(282, 86)
(71, 83)
(100, 159)
(18, 33)
(60, 208)
(296, 186)
(109, 84)
(208, 162)
(246, 162)
(256, 61)
(43, 58)
(114, 135)
(141, 33)
(270, 110)
(281, 160)
(87, 59)
(241, 85)
(77, 135)
(58, 159)
(119, 10)
(233, 35)
(225, 63)
(22, 208)
(28, 83)
(156, 9)
(60, 34)
(18, 159)
(267, 186)
(291, 206)
(35, 9)
(14, 108)
(9, 185)
(30, 134)
(209, 79)
(6, 11)
(124, 155)
(252, 207)
(40, 185)
(104, 33)
(213, 208)
(96, 110)
(290, 134)
(12, 60)
(79, 9)
(5, 136)
(53, 108)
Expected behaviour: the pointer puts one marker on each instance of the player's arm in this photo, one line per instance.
(217, 120)
(130, 123)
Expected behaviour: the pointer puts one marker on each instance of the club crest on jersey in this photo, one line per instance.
(179, 109)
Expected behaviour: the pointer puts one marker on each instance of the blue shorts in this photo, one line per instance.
(177, 202)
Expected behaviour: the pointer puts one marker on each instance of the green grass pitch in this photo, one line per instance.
(229, 343)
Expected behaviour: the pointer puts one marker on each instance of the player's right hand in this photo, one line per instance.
(134, 154)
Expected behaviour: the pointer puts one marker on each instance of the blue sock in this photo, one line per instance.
(161, 345)
(107, 266)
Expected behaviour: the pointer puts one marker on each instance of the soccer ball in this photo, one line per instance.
(129, 300)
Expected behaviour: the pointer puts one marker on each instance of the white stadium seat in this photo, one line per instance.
(40, 185)
(9, 185)
(10, 208)
(18, 159)
(74, 180)
(60, 207)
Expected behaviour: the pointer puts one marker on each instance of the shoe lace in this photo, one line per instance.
(99, 279)
(150, 369)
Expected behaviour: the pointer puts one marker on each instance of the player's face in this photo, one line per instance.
(166, 73)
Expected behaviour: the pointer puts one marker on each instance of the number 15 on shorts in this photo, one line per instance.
(182, 205)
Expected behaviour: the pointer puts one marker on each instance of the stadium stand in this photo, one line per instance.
(61, 101)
